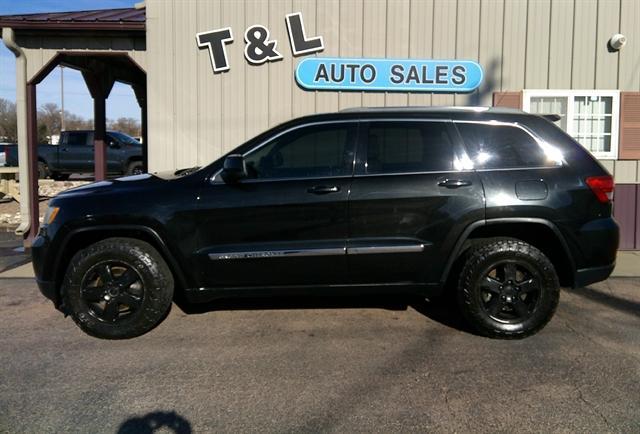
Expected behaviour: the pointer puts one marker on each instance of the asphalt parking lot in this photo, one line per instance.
(330, 365)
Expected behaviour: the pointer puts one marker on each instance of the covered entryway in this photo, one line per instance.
(105, 46)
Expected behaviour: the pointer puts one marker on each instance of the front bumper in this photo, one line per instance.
(48, 289)
(43, 266)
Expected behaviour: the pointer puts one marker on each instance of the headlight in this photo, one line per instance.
(50, 215)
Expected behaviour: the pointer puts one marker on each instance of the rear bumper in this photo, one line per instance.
(587, 276)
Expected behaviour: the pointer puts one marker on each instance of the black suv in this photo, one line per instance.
(498, 205)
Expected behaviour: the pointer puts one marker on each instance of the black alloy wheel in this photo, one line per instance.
(509, 291)
(507, 288)
(112, 290)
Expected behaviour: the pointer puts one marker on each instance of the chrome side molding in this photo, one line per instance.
(277, 253)
(365, 250)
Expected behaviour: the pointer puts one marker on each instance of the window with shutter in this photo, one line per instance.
(592, 117)
(630, 125)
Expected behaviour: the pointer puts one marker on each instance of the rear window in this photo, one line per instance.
(76, 138)
(502, 147)
(404, 147)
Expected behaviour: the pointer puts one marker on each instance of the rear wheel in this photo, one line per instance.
(118, 288)
(508, 289)
(135, 168)
(57, 176)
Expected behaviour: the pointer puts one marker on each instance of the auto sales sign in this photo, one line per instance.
(401, 75)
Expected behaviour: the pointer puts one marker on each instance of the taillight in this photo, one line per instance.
(602, 187)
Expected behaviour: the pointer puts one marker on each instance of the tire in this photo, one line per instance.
(57, 176)
(43, 170)
(507, 289)
(134, 168)
(122, 272)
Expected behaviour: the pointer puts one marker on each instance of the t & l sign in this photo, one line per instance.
(259, 47)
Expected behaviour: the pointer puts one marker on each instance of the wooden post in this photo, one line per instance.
(32, 141)
(141, 95)
(99, 137)
(100, 82)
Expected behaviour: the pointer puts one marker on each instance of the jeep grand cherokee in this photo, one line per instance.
(498, 205)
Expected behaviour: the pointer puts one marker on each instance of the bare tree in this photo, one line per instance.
(128, 126)
(8, 121)
(49, 116)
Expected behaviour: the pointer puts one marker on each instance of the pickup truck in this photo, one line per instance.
(74, 154)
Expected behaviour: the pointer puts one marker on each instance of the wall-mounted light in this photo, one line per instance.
(616, 42)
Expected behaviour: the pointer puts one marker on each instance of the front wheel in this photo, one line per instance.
(43, 170)
(508, 289)
(118, 288)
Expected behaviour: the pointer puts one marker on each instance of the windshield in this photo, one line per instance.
(123, 138)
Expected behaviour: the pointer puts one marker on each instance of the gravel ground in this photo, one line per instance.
(10, 211)
(323, 365)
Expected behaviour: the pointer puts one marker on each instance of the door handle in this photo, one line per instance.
(454, 183)
(323, 189)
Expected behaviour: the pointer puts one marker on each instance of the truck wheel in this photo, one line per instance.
(507, 289)
(43, 170)
(134, 168)
(117, 288)
(56, 176)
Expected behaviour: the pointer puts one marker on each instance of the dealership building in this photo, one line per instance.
(210, 74)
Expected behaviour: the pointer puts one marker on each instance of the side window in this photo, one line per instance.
(76, 138)
(502, 147)
(313, 151)
(401, 147)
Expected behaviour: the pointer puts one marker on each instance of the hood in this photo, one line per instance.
(133, 182)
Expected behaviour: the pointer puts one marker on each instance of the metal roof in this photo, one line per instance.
(102, 19)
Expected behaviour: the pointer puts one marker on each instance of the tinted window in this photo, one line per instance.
(396, 147)
(76, 139)
(123, 138)
(314, 151)
(502, 147)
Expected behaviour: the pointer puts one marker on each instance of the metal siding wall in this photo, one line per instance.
(537, 47)
(350, 44)
(490, 53)
(209, 116)
(561, 46)
(160, 84)
(467, 42)
(374, 37)
(584, 39)
(444, 40)
(328, 25)
(628, 75)
(607, 63)
(281, 80)
(233, 82)
(185, 137)
(256, 77)
(533, 44)
(397, 42)
(420, 40)
(513, 40)
(304, 102)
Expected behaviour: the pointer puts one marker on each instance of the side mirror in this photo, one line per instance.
(234, 168)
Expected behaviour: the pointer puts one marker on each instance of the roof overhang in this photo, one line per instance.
(126, 19)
